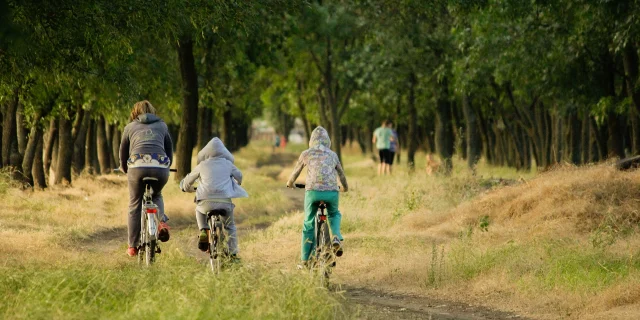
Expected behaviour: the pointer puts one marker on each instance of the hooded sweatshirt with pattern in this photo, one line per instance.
(216, 174)
(323, 165)
(146, 143)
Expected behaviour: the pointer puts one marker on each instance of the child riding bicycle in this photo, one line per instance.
(323, 169)
(218, 182)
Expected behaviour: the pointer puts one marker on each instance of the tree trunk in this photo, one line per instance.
(586, 138)
(79, 142)
(444, 130)
(635, 131)
(205, 117)
(9, 134)
(52, 137)
(558, 141)
(115, 145)
(412, 134)
(90, 150)
(227, 123)
(30, 150)
(474, 138)
(37, 170)
(303, 110)
(65, 151)
(104, 152)
(21, 129)
(188, 122)
(630, 61)
(576, 138)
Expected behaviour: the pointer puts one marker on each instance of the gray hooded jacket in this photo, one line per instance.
(216, 174)
(148, 135)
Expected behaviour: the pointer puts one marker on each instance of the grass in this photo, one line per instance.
(563, 243)
(558, 244)
(176, 288)
(64, 258)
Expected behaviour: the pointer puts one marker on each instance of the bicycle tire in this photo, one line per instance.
(323, 252)
(143, 238)
(219, 245)
(212, 245)
(150, 257)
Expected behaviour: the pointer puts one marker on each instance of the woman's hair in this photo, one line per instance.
(141, 107)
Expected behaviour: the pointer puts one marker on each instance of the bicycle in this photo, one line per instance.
(324, 259)
(149, 223)
(217, 239)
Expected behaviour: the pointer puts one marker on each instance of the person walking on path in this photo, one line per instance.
(394, 146)
(382, 137)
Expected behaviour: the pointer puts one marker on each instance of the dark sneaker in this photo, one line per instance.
(203, 241)
(132, 252)
(337, 247)
(234, 259)
(163, 232)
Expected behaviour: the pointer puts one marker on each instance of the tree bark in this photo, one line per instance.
(188, 122)
(205, 119)
(9, 134)
(65, 151)
(412, 134)
(576, 138)
(444, 130)
(104, 152)
(37, 170)
(630, 61)
(79, 142)
(52, 137)
(115, 145)
(586, 138)
(474, 138)
(90, 150)
(30, 150)
(21, 129)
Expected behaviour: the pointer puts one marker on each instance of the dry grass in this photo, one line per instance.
(560, 244)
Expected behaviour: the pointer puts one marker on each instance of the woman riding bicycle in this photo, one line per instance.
(146, 150)
(323, 169)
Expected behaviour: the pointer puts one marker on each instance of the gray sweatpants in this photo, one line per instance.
(136, 191)
(229, 222)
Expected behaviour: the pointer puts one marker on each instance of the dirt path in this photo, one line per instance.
(367, 303)
(370, 304)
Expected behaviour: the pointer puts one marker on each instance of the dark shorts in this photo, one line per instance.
(385, 156)
(392, 155)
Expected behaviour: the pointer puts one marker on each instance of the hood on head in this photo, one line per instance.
(319, 136)
(214, 149)
(147, 118)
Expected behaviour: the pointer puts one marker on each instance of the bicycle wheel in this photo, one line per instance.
(324, 253)
(143, 238)
(213, 242)
(151, 243)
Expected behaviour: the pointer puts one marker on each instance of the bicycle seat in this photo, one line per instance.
(216, 212)
(149, 179)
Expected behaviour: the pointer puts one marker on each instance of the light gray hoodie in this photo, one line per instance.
(217, 176)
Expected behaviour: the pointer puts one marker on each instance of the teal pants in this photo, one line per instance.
(310, 209)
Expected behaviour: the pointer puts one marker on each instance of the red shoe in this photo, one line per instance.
(163, 232)
(132, 252)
